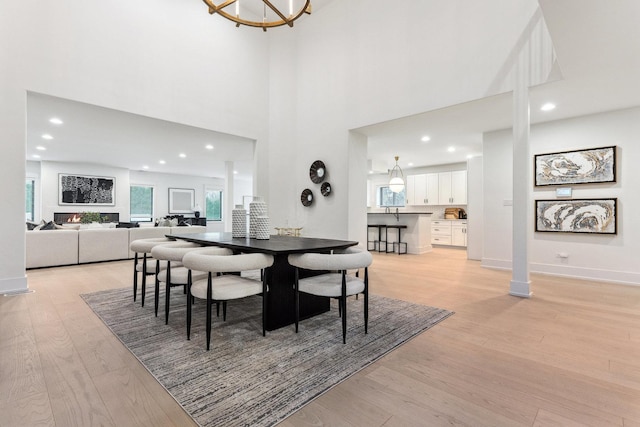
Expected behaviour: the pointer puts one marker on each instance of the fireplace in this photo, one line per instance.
(76, 217)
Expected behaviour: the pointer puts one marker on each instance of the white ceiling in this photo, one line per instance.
(598, 49)
(104, 136)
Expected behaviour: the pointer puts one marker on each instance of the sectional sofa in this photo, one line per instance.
(48, 248)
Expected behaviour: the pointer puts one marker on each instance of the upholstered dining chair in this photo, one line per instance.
(175, 274)
(336, 283)
(218, 286)
(147, 266)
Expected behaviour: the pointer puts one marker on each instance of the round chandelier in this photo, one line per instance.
(274, 13)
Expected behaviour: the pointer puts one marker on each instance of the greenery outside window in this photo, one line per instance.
(30, 199)
(141, 203)
(213, 204)
(387, 198)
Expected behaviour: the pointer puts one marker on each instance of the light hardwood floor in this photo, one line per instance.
(569, 356)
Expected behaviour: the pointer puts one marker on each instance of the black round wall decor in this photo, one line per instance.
(325, 189)
(317, 172)
(306, 197)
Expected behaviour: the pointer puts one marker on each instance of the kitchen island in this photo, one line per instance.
(417, 235)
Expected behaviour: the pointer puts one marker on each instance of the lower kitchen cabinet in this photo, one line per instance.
(449, 232)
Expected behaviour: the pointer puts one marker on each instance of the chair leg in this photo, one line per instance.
(366, 299)
(344, 306)
(167, 294)
(209, 312)
(135, 276)
(144, 277)
(189, 303)
(224, 311)
(167, 300)
(297, 294)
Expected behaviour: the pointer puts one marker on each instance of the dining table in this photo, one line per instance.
(281, 275)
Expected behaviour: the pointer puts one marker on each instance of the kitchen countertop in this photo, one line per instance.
(400, 213)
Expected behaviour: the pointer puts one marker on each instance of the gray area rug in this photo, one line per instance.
(247, 379)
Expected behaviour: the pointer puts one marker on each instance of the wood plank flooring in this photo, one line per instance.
(569, 356)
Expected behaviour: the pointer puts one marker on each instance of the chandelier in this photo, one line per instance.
(275, 13)
(396, 181)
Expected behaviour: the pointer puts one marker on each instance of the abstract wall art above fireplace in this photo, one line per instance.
(86, 190)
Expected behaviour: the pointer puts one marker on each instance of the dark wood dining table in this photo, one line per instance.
(281, 275)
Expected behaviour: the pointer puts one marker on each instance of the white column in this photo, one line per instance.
(520, 282)
(227, 196)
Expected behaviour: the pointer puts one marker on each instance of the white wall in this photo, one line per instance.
(598, 257)
(345, 66)
(352, 66)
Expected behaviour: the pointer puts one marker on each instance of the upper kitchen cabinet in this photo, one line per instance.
(452, 188)
(422, 189)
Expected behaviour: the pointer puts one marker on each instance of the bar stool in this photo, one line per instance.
(375, 243)
(399, 242)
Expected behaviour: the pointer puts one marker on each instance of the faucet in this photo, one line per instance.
(387, 210)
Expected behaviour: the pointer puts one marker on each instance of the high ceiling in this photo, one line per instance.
(598, 50)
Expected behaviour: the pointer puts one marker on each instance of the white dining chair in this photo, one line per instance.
(175, 274)
(221, 287)
(336, 283)
(147, 266)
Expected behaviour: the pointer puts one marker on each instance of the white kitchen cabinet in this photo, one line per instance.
(422, 189)
(440, 232)
(459, 233)
(449, 232)
(452, 188)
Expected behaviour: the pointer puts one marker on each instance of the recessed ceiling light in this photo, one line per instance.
(469, 156)
(410, 164)
(47, 136)
(182, 155)
(425, 138)
(55, 121)
(235, 172)
(145, 167)
(548, 106)
(209, 147)
(41, 148)
(371, 172)
(36, 156)
(451, 149)
(162, 162)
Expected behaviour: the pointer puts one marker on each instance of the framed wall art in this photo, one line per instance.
(593, 165)
(591, 216)
(86, 190)
(181, 200)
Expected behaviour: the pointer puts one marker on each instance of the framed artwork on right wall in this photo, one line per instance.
(587, 166)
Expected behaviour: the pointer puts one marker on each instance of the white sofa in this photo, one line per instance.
(48, 248)
(51, 247)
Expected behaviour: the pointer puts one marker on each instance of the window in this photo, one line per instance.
(29, 199)
(213, 205)
(387, 198)
(141, 203)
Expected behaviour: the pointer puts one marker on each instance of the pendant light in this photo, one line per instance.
(396, 178)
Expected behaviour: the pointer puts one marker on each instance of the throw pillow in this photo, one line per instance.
(49, 226)
(31, 225)
(39, 226)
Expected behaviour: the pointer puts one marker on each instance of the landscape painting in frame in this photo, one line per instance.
(86, 190)
(576, 167)
(592, 216)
